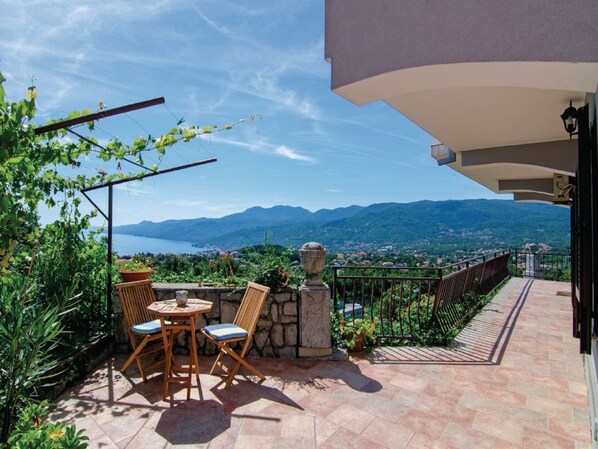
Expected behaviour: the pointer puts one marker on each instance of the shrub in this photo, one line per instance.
(68, 259)
(354, 330)
(276, 270)
(133, 266)
(29, 331)
(335, 326)
(34, 431)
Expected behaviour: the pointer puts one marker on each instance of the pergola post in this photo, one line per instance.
(109, 265)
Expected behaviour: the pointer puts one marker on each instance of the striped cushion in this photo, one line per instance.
(148, 328)
(225, 331)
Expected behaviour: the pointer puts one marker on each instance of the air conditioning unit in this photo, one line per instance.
(562, 188)
(443, 154)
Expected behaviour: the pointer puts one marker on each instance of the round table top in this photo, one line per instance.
(169, 307)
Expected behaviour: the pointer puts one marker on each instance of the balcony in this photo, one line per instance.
(512, 378)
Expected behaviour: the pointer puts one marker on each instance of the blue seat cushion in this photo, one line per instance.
(225, 331)
(147, 328)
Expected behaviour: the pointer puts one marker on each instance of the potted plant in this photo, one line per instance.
(358, 334)
(134, 270)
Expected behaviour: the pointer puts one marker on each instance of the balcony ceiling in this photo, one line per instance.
(479, 109)
(476, 106)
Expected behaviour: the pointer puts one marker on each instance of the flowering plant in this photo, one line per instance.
(135, 265)
(359, 333)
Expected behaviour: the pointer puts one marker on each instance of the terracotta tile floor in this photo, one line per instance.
(513, 379)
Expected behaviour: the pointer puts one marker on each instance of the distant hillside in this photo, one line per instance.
(442, 225)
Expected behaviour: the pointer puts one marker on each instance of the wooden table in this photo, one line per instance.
(174, 319)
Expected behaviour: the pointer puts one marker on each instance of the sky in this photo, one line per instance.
(216, 62)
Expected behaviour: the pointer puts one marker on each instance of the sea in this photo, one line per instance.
(128, 245)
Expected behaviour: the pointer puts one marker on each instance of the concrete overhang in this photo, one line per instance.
(506, 165)
(540, 185)
(558, 157)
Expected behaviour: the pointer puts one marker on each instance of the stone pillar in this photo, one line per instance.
(314, 304)
(532, 265)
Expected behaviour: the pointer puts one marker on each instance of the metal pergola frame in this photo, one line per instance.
(65, 124)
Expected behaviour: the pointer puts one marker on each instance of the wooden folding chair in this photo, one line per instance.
(240, 331)
(144, 330)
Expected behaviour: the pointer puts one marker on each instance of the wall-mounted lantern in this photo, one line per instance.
(569, 117)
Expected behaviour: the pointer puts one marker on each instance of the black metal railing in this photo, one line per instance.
(459, 293)
(549, 265)
(409, 301)
(399, 300)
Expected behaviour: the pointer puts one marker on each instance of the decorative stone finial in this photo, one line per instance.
(313, 260)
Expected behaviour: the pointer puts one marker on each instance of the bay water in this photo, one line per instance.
(128, 245)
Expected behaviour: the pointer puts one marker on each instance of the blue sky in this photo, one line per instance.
(216, 62)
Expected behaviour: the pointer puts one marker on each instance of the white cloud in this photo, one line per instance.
(261, 145)
(292, 154)
(219, 28)
(266, 85)
(381, 131)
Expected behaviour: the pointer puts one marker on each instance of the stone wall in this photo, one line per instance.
(276, 334)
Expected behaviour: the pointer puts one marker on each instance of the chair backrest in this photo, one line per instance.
(134, 298)
(251, 306)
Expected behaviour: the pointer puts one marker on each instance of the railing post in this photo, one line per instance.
(334, 281)
(482, 275)
(437, 297)
(512, 256)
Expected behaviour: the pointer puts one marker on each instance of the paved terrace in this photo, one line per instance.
(513, 379)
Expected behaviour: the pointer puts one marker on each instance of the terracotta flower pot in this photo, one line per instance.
(358, 344)
(130, 276)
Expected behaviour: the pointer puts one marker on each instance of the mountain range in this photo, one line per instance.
(424, 225)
